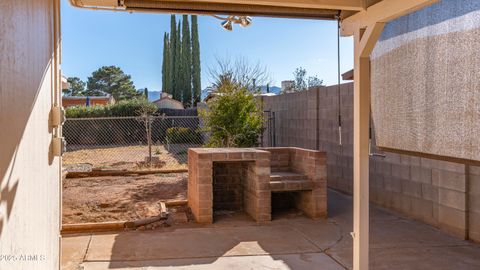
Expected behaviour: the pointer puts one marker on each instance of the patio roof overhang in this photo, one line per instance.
(363, 19)
(311, 9)
(354, 14)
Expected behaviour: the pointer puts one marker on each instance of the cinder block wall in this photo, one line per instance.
(300, 113)
(474, 203)
(440, 193)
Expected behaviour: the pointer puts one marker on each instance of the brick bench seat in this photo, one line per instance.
(285, 175)
(303, 172)
(289, 181)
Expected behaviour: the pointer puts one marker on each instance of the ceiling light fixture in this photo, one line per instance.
(227, 25)
(227, 22)
(245, 21)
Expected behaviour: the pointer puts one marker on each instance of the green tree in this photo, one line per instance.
(166, 65)
(186, 63)
(111, 80)
(172, 57)
(196, 75)
(177, 65)
(76, 87)
(181, 61)
(233, 118)
(300, 79)
(131, 107)
(145, 93)
(314, 81)
(301, 82)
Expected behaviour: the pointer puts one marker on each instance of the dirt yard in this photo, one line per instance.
(173, 156)
(114, 198)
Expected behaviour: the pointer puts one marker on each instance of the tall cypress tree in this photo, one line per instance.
(177, 79)
(145, 93)
(165, 64)
(169, 66)
(186, 63)
(196, 79)
(172, 56)
(181, 61)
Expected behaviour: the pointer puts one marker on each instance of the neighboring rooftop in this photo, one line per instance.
(348, 76)
(166, 101)
(69, 101)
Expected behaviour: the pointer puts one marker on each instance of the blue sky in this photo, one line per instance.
(134, 41)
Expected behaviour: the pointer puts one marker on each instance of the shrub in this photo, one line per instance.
(85, 112)
(183, 135)
(234, 118)
(134, 107)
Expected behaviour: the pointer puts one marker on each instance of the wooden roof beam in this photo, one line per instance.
(381, 12)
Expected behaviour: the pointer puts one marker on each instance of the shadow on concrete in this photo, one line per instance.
(278, 247)
(282, 244)
(297, 243)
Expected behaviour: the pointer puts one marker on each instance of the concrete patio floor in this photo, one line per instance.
(289, 242)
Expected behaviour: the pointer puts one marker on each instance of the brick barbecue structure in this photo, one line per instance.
(245, 178)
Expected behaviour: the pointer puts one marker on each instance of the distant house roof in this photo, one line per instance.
(348, 76)
(69, 101)
(266, 94)
(166, 101)
(85, 97)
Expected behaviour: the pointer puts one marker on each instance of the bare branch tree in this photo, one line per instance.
(240, 71)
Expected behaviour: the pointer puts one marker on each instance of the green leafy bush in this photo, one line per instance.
(183, 135)
(134, 107)
(233, 118)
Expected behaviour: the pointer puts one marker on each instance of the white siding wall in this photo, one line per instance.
(30, 177)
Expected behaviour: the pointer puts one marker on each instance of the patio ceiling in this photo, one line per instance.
(354, 14)
(312, 9)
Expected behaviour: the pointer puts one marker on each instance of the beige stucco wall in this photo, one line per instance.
(30, 182)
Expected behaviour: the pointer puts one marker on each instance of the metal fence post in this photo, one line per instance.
(149, 139)
(274, 143)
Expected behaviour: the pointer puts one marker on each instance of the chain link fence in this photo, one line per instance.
(130, 143)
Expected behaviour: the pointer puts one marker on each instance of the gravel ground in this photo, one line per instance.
(79, 167)
(114, 198)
